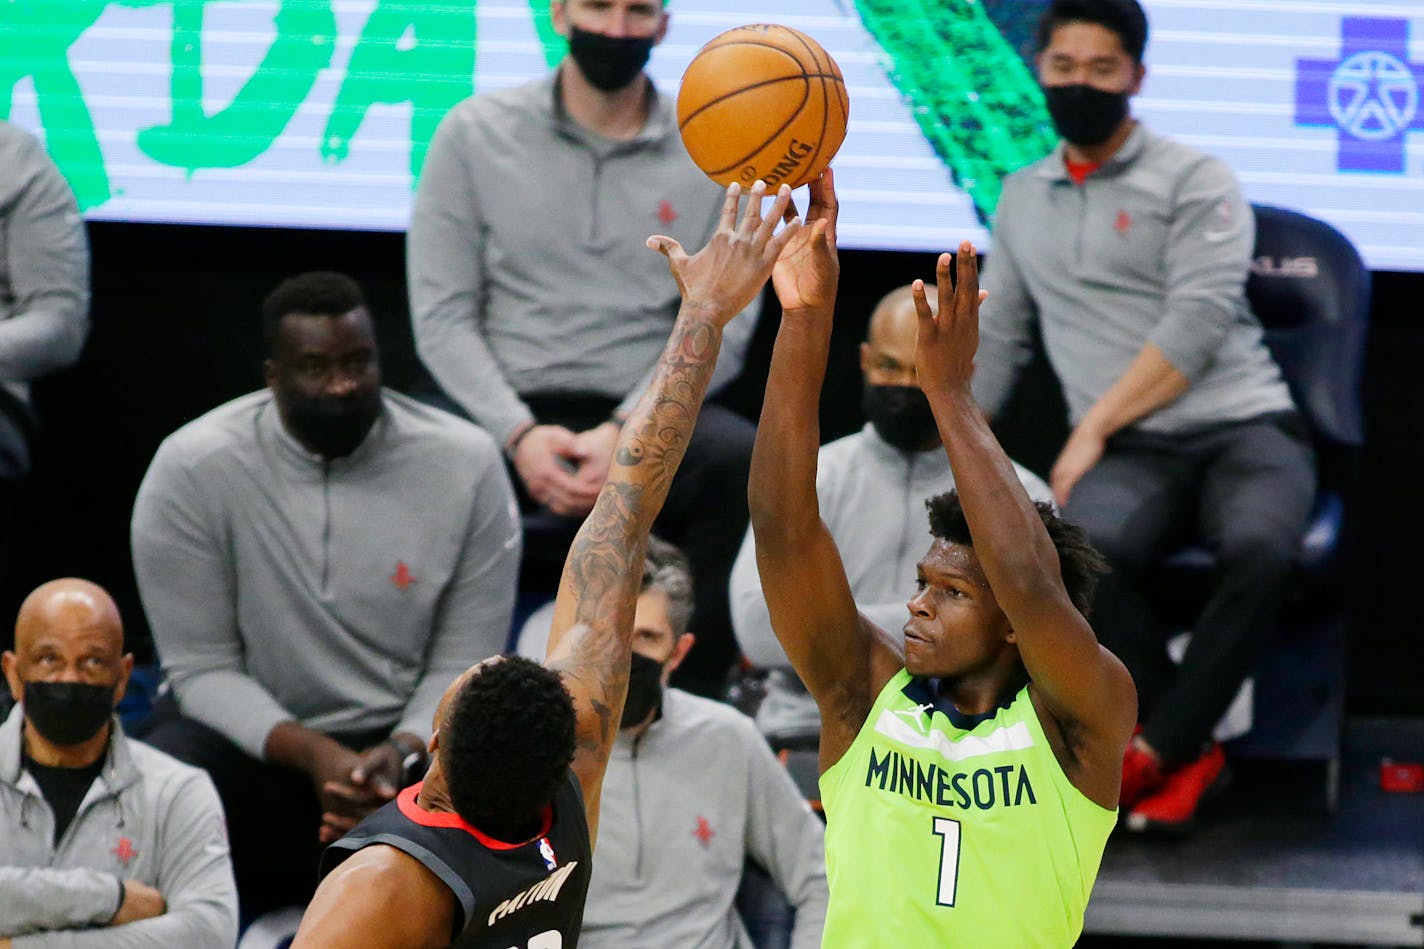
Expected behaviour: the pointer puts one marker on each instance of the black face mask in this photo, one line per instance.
(1085, 115)
(609, 62)
(645, 690)
(333, 428)
(68, 713)
(901, 415)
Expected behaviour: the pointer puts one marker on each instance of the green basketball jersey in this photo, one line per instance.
(942, 836)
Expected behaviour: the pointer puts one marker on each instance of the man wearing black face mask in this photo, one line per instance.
(691, 792)
(94, 823)
(1130, 251)
(318, 560)
(539, 314)
(872, 487)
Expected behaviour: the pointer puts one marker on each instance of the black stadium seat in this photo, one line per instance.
(1311, 291)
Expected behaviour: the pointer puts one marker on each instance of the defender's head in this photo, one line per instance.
(660, 636)
(69, 669)
(323, 365)
(956, 626)
(1089, 63)
(504, 742)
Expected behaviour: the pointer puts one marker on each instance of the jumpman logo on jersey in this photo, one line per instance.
(915, 714)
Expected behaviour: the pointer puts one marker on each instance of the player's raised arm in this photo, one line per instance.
(841, 657)
(591, 636)
(1083, 687)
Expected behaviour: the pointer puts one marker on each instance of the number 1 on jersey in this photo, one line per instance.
(948, 832)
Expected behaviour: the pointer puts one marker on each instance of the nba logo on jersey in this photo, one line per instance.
(546, 850)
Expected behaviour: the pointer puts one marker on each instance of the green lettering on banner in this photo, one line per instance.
(410, 50)
(35, 37)
(262, 108)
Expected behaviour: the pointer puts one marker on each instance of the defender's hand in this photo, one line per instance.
(946, 341)
(727, 274)
(809, 269)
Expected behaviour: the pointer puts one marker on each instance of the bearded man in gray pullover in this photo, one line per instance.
(318, 560)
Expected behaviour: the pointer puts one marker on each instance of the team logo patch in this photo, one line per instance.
(704, 833)
(125, 851)
(402, 578)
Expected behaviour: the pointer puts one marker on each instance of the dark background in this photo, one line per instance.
(175, 333)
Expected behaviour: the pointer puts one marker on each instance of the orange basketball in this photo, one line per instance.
(762, 101)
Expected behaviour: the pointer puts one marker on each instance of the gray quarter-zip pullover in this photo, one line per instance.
(344, 594)
(147, 817)
(1152, 247)
(684, 805)
(44, 264)
(526, 259)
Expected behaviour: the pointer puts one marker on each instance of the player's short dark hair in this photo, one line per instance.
(317, 293)
(1124, 17)
(666, 568)
(1078, 561)
(505, 745)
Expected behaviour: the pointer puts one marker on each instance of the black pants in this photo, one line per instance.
(705, 516)
(272, 812)
(1244, 490)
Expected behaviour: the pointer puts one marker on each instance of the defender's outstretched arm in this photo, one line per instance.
(841, 657)
(590, 640)
(1085, 688)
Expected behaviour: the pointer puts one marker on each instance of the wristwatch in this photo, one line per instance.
(414, 761)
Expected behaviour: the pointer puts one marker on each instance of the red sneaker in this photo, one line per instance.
(1173, 809)
(1141, 775)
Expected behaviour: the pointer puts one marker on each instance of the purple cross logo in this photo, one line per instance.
(1371, 94)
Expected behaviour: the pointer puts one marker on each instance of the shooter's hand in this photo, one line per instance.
(808, 270)
(946, 341)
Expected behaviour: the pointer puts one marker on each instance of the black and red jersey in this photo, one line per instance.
(509, 896)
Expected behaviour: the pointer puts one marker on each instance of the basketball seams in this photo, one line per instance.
(825, 104)
(682, 123)
(795, 114)
(811, 65)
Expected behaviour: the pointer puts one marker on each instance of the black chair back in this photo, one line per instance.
(1311, 292)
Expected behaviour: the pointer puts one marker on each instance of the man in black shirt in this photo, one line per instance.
(493, 849)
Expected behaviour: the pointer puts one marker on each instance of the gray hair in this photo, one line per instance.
(666, 568)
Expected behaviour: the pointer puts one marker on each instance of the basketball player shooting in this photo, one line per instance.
(970, 766)
(492, 849)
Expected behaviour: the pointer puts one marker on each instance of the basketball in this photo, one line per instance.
(762, 101)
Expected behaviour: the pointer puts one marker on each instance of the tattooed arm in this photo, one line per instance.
(590, 641)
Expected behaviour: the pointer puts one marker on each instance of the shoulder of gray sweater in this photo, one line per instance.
(21, 155)
(706, 718)
(453, 438)
(227, 427)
